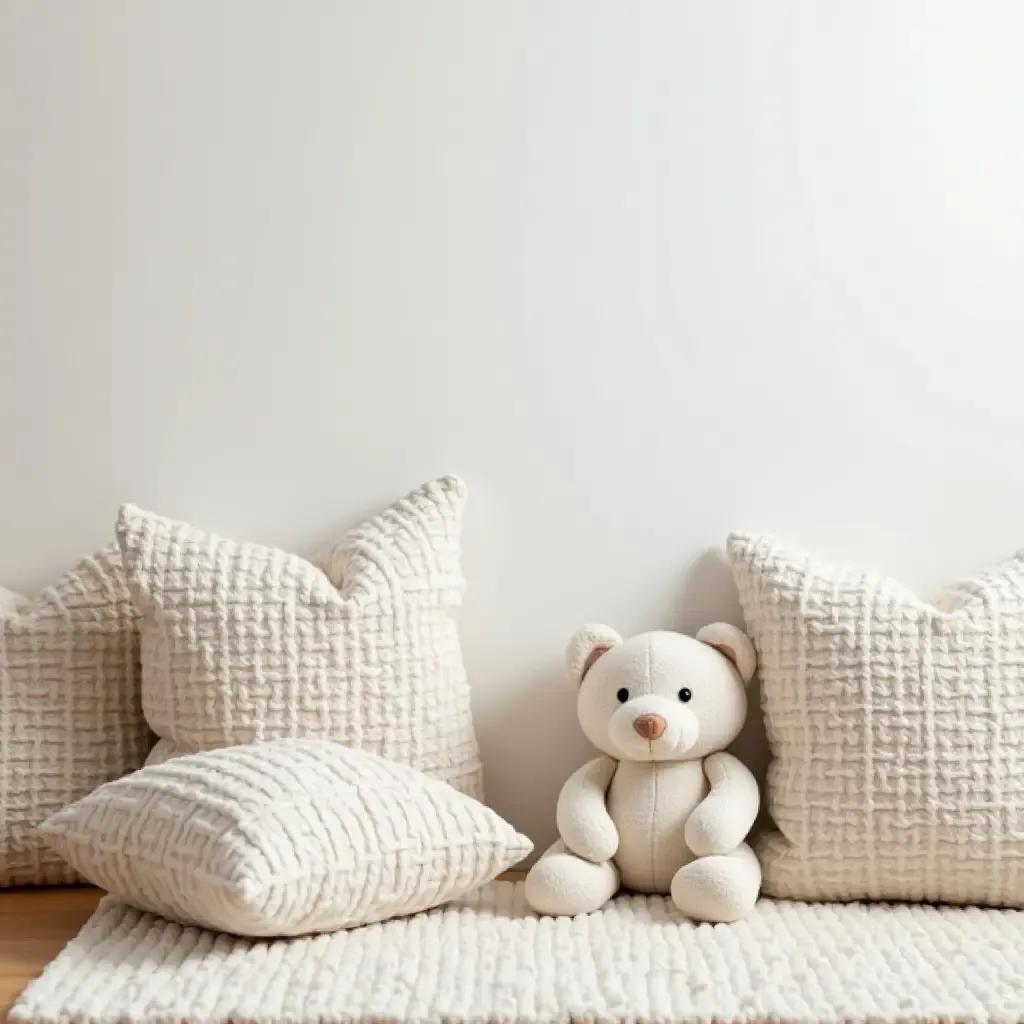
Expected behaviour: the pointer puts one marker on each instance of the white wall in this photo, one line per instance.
(640, 272)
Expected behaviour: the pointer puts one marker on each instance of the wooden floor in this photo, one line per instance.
(35, 924)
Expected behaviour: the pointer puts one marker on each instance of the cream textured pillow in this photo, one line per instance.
(897, 730)
(70, 707)
(242, 643)
(283, 838)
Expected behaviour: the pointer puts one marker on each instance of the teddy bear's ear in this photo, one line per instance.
(734, 644)
(585, 647)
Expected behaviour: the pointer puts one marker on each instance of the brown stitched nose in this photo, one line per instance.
(650, 727)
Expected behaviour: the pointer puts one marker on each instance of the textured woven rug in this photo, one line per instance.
(488, 958)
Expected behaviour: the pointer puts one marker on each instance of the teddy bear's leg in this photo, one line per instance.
(719, 888)
(561, 883)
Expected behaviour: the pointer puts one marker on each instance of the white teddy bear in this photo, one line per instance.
(667, 810)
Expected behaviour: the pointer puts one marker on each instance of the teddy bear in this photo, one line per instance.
(666, 808)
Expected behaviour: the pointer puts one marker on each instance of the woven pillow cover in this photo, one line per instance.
(283, 838)
(70, 707)
(896, 728)
(245, 643)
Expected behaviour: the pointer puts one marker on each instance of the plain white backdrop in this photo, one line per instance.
(641, 272)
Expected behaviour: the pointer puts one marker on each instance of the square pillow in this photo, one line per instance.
(70, 707)
(242, 643)
(896, 728)
(283, 838)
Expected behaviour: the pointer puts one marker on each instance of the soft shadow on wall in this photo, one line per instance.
(709, 595)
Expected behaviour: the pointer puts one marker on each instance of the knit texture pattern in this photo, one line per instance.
(283, 838)
(896, 728)
(242, 643)
(70, 708)
(487, 958)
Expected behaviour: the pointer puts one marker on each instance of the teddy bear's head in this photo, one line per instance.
(661, 696)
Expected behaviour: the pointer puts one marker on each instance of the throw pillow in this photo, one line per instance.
(70, 708)
(283, 838)
(242, 643)
(896, 727)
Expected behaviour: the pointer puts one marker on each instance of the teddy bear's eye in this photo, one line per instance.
(685, 694)
(623, 695)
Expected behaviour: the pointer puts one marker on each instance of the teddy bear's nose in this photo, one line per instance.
(650, 727)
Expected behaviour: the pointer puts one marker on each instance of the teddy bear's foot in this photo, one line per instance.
(719, 888)
(561, 883)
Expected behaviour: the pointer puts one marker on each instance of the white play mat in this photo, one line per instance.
(488, 958)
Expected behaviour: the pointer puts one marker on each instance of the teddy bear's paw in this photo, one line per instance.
(707, 832)
(718, 889)
(561, 883)
(596, 841)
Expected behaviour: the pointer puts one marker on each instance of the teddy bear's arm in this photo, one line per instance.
(583, 820)
(721, 821)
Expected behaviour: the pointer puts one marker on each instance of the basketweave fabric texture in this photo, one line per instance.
(70, 707)
(242, 643)
(283, 838)
(488, 958)
(896, 728)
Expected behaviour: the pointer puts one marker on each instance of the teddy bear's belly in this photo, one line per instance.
(649, 803)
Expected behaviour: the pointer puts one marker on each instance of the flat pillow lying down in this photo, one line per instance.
(283, 838)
